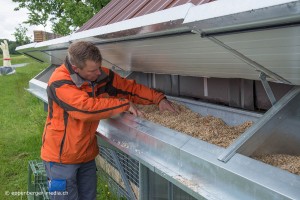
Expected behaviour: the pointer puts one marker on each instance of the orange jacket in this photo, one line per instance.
(75, 107)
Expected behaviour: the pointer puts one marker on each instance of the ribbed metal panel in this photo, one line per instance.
(130, 11)
(118, 10)
(100, 15)
(153, 6)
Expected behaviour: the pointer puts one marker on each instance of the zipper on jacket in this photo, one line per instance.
(90, 139)
(45, 133)
(66, 116)
(93, 88)
(93, 95)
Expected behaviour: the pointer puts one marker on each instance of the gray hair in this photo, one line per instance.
(80, 52)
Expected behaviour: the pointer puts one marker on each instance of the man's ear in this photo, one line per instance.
(75, 68)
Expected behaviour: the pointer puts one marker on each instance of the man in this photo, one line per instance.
(80, 93)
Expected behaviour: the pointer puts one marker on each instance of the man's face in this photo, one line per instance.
(90, 71)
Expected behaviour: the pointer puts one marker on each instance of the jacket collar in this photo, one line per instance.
(77, 79)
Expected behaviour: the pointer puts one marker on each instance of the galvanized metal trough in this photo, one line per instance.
(181, 52)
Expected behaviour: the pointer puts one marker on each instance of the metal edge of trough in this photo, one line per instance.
(172, 154)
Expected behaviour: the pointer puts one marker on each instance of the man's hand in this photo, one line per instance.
(133, 110)
(167, 105)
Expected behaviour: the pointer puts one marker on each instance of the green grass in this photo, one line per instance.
(22, 118)
(21, 125)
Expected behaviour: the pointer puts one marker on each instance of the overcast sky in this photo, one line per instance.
(10, 20)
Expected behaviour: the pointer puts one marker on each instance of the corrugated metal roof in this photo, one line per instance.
(118, 10)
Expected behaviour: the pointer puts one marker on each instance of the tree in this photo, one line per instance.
(66, 16)
(20, 35)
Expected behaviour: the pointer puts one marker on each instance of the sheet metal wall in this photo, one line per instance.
(238, 93)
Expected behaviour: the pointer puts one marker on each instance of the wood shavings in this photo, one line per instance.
(213, 130)
(207, 128)
(122, 144)
(283, 161)
(128, 146)
(189, 183)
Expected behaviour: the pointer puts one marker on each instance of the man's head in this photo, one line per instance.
(85, 59)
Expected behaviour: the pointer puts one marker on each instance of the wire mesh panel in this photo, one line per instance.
(129, 179)
(123, 172)
(131, 167)
(113, 186)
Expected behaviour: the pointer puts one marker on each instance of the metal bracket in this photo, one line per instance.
(263, 78)
(258, 133)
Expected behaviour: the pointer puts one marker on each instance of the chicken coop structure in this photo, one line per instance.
(235, 60)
